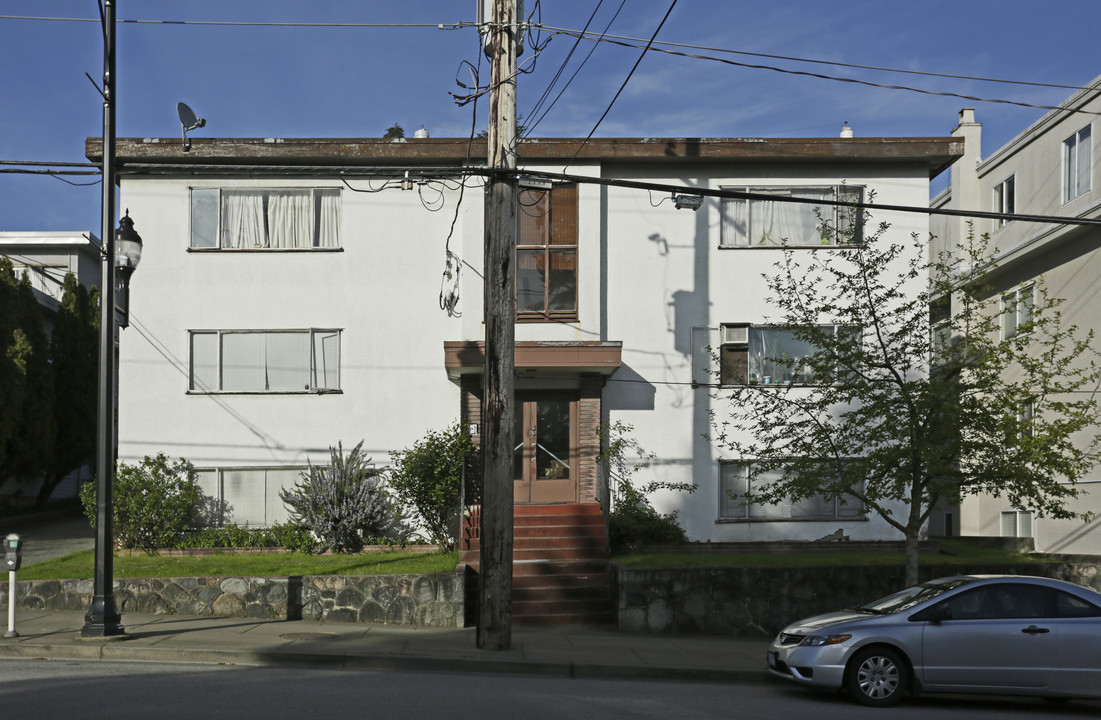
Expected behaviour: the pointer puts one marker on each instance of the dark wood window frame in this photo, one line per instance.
(547, 254)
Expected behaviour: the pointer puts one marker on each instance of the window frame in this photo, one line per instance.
(315, 194)
(220, 505)
(1077, 182)
(549, 247)
(1005, 200)
(195, 387)
(855, 507)
(1016, 313)
(834, 215)
(1017, 516)
(728, 349)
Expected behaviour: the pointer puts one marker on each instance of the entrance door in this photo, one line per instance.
(545, 441)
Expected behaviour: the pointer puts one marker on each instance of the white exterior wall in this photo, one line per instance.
(647, 277)
(381, 290)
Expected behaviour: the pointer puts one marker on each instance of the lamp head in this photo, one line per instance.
(127, 246)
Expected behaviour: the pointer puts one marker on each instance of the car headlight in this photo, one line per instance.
(817, 640)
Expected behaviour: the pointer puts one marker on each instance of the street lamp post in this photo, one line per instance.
(122, 253)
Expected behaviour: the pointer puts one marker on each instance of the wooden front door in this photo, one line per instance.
(545, 441)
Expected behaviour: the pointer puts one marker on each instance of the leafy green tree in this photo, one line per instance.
(896, 418)
(394, 132)
(153, 502)
(73, 355)
(12, 373)
(30, 443)
(428, 477)
(345, 504)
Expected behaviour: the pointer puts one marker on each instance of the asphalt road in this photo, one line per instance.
(93, 690)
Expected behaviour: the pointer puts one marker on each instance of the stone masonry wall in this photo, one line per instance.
(430, 600)
(761, 601)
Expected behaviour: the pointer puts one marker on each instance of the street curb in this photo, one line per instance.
(121, 652)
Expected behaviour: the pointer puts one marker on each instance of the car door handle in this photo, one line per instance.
(1033, 630)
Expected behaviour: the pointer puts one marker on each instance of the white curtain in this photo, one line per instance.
(290, 218)
(775, 223)
(328, 234)
(243, 219)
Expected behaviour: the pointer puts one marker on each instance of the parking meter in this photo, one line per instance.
(13, 552)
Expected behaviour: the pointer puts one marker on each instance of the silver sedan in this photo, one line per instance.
(969, 634)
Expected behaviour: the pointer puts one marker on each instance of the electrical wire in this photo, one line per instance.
(438, 26)
(577, 70)
(561, 68)
(625, 81)
(834, 78)
(835, 63)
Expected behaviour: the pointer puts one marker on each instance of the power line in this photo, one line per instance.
(869, 83)
(438, 26)
(625, 81)
(573, 33)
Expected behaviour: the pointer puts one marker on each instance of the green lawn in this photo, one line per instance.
(80, 565)
(952, 552)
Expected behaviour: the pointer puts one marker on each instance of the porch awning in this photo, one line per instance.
(575, 358)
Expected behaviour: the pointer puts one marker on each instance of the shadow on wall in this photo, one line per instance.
(638, 392)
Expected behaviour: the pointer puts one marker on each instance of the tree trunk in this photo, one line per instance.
(911, 557)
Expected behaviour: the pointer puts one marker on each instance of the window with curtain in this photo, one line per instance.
(265, 219)
(241, 496)
(737, 482)
(779, 222)
(1077, 158)
(1018, 307)
(546, 254)
(763, 355)
(256, 361)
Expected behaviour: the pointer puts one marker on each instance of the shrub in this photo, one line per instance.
(345, 504)
(290, 536)
(428, 477)
(153, 502)
(633, 523)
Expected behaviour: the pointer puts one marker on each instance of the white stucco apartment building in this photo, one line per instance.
(1050, 169)
(289, 297)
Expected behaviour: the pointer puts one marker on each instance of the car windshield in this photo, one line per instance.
(912, 596)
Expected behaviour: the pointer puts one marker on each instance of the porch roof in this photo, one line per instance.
(465, 357)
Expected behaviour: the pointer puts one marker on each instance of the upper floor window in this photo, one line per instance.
(259, 361)
(765, 223)
(737, 482)
(1076, 164)
(763, 355)
(1005, 200)
(254, 219)
(546, 254)
(1017, 310)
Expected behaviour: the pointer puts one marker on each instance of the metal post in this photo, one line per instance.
(103, 618)
(495, 563)
(11, 633)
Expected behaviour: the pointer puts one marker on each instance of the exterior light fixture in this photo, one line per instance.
(687, 202)
(127, 257)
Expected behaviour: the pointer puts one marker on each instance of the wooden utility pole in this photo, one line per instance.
(495, 586)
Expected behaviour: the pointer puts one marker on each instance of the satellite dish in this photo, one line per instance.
(188, 121)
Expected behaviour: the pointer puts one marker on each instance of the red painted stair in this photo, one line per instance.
(560, 563)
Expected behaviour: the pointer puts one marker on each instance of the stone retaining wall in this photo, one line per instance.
(761, 601)
(430, 600)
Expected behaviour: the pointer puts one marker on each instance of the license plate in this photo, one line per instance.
(772, 660)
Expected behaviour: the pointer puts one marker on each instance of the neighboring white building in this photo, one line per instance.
(289, 297)
(1052, 169)
(48, 257)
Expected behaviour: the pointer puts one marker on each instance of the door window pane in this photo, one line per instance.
(552, 435)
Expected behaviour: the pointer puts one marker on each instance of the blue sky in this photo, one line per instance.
(356, 82)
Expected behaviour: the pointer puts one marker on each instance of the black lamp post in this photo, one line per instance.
(121, 256)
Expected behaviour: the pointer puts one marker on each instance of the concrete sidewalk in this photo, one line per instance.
(563, 651)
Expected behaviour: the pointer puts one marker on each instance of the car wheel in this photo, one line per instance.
(877, 676)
